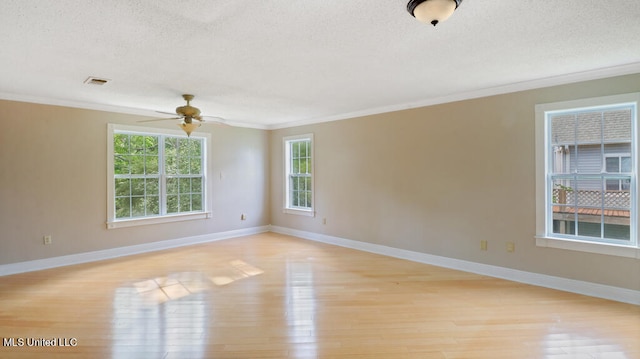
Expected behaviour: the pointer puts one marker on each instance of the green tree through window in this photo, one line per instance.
(156, 175)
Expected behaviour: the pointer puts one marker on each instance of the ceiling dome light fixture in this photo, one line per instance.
(432, 11)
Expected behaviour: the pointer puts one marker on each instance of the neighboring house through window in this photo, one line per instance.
(155, 176)
(298, 158)
(586, 173)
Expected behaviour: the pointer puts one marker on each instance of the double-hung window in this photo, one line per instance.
(155, 176)
(298, 158)
(586, 168)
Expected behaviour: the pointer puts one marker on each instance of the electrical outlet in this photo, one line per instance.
(511, 247)
(243, 217)
(324, 221)
(484, 245)
(47, 239)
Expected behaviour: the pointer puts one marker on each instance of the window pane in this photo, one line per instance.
(563, 191)
(196, 202)
(123, 209)
(172, 186)
(152, 205)
(183, 147)
(308, 194)
(171, 165)
(196, 185)
(122, 187)
(616, 231)
(172, 204)
(563, 131)
(137, 207)
(307, 185)
(151, 145)
(195, 166)
(185, 202)
(185, 185)
(183, 165)
(171, 146)
(303, 149)
(564, 226)
(137, 164)
(137, 187)
(151, 165)
(295, 149)
(589, 127)
(152, 187)
(121, 165)
(121, 143)
(588, 192)
(590, 203)
(617, 125)
(563, 206)
(617, 214)
(196, 148)
(586, 159)
(137, 145)
(587, 228)
(295, 166)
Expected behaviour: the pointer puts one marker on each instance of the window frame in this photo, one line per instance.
(112, 222)
(288, 208)
(544, 236)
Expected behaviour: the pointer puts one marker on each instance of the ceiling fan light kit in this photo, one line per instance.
(432, 11)
(188, 127)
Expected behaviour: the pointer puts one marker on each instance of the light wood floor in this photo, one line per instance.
(273, 296)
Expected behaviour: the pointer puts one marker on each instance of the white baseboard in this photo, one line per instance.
(39, 264)
(568, 285)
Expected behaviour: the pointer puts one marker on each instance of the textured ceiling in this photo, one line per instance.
(276, 63)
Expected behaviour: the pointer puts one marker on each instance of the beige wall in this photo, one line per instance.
(439, 179)
(53, 181)
(435, 180)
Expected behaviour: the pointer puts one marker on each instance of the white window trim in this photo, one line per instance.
(298, 211)
(544, 239)
(112, 222)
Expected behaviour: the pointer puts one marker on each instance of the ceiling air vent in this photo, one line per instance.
(95, 81)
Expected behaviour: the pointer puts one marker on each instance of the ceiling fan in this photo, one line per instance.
(187, 114)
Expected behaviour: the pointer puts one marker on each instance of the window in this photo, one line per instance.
(155, 176)
(586, 164)
(298, 190)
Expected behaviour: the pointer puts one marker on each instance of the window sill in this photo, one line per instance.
(300, 212)
(157, 220)
(584, 246)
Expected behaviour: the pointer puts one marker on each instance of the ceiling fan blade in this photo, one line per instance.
(167, 113)
(161, 119)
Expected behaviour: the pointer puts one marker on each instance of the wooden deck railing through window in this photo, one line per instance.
(616, 203)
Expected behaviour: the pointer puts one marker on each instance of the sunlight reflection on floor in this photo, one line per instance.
(169, 314)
